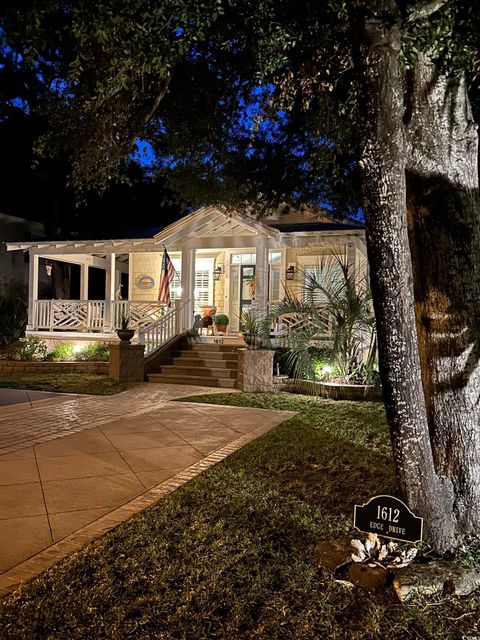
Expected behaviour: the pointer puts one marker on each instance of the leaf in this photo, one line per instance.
(361, 553)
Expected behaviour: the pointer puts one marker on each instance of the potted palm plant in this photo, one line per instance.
(250, 326)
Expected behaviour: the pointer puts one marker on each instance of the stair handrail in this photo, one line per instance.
(160, 331)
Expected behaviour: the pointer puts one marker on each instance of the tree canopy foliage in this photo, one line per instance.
(274, 101)
(242, 102)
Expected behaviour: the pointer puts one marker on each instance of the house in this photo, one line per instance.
(14, 266)
(232, 262)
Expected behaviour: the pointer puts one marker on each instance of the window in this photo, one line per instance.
(203, 291)
(176, 286)
(275, 257)
(324, 269)
(243, 258)
(274, 283)
(203, 287)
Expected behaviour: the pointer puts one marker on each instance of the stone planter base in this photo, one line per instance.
(255, 370)
(336, 391)
(127, 363)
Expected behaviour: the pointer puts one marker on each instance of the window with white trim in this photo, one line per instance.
(203, 287)
(176, 284)
(324, 269)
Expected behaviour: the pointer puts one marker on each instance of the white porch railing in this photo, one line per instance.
(288, 323)
(159, 332)
(91, 315)
(77, 315)
(139, 313)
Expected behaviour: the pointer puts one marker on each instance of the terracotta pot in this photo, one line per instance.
(222, 328)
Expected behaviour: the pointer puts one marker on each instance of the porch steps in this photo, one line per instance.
(208, 365)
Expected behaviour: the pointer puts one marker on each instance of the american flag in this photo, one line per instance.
(166, 278)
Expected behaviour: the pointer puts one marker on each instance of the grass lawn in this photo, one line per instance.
(62, 382)
(232, 553)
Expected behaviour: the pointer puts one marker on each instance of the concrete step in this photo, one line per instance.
(199, 356)
(184, 360)
(224, 383)
(207, 372)
(211, 347)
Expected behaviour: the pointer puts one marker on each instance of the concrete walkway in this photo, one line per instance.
(63, 414)
(88, 456)
(24, 396)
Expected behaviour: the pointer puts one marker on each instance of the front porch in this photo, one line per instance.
(231, 263)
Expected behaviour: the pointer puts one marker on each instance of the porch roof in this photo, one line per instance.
(85, 246)
(209, 223)
(208, 227)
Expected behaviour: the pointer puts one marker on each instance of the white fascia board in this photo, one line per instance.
(85, 247)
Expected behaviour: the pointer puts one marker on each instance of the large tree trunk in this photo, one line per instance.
(60, 280)
(444, 221)
(383, 164)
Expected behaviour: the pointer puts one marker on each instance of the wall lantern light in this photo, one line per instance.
(48, 268)
(290, 272)
(217, 273)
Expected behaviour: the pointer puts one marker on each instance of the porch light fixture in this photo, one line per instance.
(48, 268)
(217, 273)
(290, 272)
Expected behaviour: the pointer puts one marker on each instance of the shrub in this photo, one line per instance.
(221, 319)
(27, 349)
(94, 351)
(333, 301)
(62, 352)
(13, 312)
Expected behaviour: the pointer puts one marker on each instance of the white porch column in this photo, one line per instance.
(84, 281)
(187, 274)
(261, 277)
(283, 268)
(351, 258)
(32, 289)
(109, 321)
(130, 276)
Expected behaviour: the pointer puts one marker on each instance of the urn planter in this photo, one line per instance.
(125, 335)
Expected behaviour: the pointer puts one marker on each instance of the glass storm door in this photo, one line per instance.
(247, 287)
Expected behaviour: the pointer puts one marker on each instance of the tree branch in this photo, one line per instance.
(425, 9)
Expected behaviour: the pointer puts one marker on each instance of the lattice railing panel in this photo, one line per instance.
(139, 313)
(289, 323)
(77, 315)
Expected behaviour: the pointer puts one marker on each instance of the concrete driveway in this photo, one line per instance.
(58, 493)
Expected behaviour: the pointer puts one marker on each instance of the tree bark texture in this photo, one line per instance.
(60, 280)
(444, 229)
(384, 186)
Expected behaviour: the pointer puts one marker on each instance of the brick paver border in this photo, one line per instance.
(13, 578)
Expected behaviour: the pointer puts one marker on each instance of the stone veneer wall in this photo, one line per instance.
(255, 370)
(127, 362)
(38, 366)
